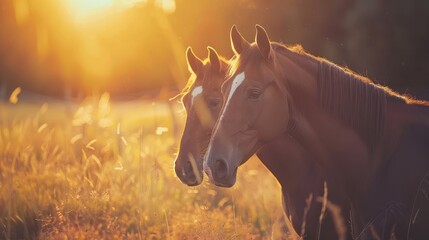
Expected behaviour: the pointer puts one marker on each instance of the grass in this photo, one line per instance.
(98, 170)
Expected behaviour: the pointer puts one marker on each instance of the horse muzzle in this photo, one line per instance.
(219, 172)
(187, 173)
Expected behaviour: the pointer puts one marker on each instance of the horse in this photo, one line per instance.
(371, 140)
(202, 99)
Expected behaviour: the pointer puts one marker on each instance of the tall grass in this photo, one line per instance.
(105, 171)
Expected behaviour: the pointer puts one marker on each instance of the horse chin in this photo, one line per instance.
(190, 180)
(194, 182)
(226, 184)
(227, 181)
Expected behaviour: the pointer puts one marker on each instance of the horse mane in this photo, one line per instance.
(233, 65)
(355, 100)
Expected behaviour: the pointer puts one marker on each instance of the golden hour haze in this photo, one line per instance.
(190, 119)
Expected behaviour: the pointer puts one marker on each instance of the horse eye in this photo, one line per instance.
(213, 103)
(254, 93)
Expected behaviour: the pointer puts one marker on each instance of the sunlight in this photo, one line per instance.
(168, 6)
(84, 9)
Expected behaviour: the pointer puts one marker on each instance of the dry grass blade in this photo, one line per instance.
(308, 202)
(42, 127)
(194, 167)
(339, 221)
(89, 145)
(324, 203)
(14, 95)
(413, 217)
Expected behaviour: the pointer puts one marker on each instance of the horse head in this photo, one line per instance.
(256, 109)
(202, 100)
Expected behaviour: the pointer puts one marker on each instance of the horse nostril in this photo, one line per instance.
(221, 169)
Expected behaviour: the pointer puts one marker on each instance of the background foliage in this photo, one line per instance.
(139, 50)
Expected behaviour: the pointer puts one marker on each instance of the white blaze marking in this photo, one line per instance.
(238, 80)
(197, 91)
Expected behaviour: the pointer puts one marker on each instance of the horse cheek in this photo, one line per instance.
(273, 118)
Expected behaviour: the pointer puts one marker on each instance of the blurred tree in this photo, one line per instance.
(388, 39)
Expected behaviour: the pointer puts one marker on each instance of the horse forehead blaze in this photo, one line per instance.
(195, 92)
(238, 80)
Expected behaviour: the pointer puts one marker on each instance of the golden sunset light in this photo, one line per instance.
(93, 43)
(214, 119)
(82, 9)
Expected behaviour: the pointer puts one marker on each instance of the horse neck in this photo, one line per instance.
(273, 155)
(299, 78)
(328, 141)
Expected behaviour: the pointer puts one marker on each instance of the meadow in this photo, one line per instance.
(102, 170)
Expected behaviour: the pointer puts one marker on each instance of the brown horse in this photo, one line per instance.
(202, 100)
(298, 176)
(374, 142)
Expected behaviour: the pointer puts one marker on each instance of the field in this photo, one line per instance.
(102, 170)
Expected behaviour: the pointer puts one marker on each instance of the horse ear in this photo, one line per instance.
(238, 43)
(214, 58)
(194, 63)
(263, 42)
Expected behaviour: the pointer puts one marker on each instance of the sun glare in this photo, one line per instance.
(84, 9)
